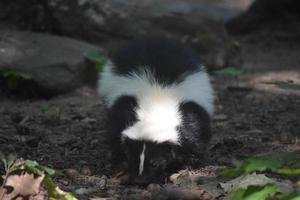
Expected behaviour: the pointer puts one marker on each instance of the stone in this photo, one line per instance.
(200, 23)
(56, 64)
(271, 14)
(195, 22)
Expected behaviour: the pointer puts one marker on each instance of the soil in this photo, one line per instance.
(252, 118)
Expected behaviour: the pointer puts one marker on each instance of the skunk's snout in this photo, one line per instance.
(154, 173)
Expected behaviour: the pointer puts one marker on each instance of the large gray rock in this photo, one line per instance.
(56, 64)
(275, 15)
(195, 22)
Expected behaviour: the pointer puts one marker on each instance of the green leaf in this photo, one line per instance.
(31, 163)
(229, 71)
(272, 162)
(260, 193)
(288, 171)
(260, 164)
(54, 192)
(69, 196)
(44, 108)
(8, 73)
(99, 67)
(96, 57)
(34, 170)
(254, 192)
(237, 195)
(292, 86)
(251, 165)
(34, 167)
(50, 187)
(48, 170)
(283, 85)
(24, 76)
(289, 196)
(231, 172)
(15, 74)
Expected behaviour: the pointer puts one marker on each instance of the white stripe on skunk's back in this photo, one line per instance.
(158, 105)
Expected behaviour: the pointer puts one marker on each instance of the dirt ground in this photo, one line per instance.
(66, 132)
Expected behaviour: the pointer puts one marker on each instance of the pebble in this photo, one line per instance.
(64, 182)
(220, 117)
(89, 120)
(86, 171)
(102, 183)
(71, 173)
(94, 143)
(287, 137)
(255, 132)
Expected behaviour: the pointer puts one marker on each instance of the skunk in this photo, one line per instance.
(160, 101)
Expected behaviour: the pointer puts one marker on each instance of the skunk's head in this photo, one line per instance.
(150, 143)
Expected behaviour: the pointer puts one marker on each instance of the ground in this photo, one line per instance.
(252, 118)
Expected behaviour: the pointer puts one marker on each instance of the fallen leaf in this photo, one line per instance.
(254, 192)
(24, 185)
(288, 171)
(55, 193)
(229, 71)
(244, 181)
(183, 178)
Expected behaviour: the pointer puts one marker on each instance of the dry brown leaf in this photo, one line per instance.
(99, 182)
(2, 191)
(23, 185)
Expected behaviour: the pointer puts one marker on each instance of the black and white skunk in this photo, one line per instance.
(160, 101)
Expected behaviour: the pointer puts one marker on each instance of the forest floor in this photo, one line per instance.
(252, 118)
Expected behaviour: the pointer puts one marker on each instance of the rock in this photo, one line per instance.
(200, 23)
(194, 22)
(55, 64)
(271, 14)
(287, 137)
(71, 173)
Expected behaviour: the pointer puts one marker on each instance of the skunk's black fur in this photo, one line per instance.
(168, 59)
